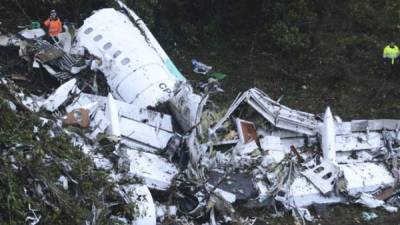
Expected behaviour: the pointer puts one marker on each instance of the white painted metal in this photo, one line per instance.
(366, 177)
(152, 42)
(32, 33)
(60, 95)
(359, 141)
(278, 115)
(374, 125)
(302, 193)
(144, 134)
(187, 107)
(146, 210)
(112, 114)
(323, 176)
(152, 118)
(139, 126)
(328, 137)
(136, 71)
(155, 171)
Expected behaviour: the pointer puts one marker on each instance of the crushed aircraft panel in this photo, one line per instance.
(366, 177)
(156, 172)
(61, 95)
(145, 134)
(278, 115)
(142, 126)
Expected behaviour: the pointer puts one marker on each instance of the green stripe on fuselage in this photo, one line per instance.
(172, 68)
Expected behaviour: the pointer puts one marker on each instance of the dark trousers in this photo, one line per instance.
(390, 67)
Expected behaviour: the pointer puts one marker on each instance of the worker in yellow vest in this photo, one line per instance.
(391, 54)
(390, 60)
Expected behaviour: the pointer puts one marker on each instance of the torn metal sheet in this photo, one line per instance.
(144, 134)
(99, 123)
(49, 54)
(370, 201)
(374, 125)
(227, 196)
(323, 176)
(278, 115)
(128, 111)
(61, 95)
(187, 107)
(302, 193)
(155, 171)
(139, 127)
(132, 144)
(58, 63)
(359, 141)
(366, 177)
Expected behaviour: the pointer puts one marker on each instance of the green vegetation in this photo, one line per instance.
(31, 162)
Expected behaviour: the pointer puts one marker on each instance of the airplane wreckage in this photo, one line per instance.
(259, 154)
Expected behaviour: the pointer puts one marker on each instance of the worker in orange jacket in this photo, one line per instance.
(54, 25)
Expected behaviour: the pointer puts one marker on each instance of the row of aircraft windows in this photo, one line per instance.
(107, 46)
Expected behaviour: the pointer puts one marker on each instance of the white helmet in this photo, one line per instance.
(53, 13)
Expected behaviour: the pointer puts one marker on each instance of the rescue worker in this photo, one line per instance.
(390, 58)
(53, 25)
(391, 54)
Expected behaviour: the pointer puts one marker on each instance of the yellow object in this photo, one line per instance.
(391, 52)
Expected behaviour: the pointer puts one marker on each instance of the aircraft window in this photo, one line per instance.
(89, 30)
(107, 46)
(98, 37)
(117, 53)
(125, 61)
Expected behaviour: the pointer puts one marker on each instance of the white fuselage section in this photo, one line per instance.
(137, 69)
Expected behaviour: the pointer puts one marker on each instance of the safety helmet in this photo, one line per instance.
(53, 13)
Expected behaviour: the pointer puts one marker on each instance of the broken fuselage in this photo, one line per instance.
(137, 69)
